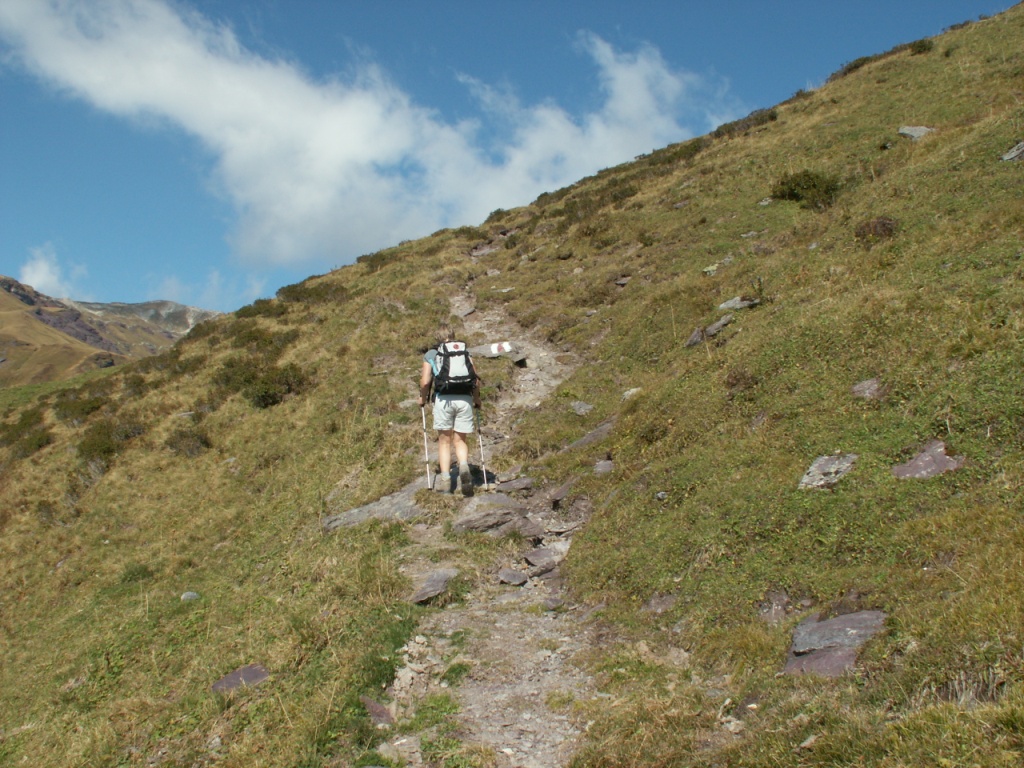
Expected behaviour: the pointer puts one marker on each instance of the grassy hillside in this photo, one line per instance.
(207, 468)
(44, 340)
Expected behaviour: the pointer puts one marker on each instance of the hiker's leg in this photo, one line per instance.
(458, 440)
(444, 451)
(462, 454)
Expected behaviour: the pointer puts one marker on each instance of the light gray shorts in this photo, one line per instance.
(454, 412)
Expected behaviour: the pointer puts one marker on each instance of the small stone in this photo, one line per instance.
(695, 338)
(915, 132)
(433, 585)
(1016, 153)
(931, 461)
(716, 328)
(512, 576)
(826, 470)
(661, 495)
(580, 408)
(740, 302)
(188, 597)
(869, 389)
(604, 467)
(253, 674)
(631, 393)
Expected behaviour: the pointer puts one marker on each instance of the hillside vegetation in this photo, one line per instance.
(870, 255)
(45, 340)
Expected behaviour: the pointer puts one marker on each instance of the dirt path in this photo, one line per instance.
(509, 656)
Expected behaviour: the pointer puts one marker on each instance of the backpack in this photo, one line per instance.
(454, 370)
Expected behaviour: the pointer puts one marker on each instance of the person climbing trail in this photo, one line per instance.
(448, 371)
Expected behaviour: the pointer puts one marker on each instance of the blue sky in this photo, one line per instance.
(211, 151)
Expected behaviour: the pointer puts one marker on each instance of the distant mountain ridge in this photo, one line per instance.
(43, 338)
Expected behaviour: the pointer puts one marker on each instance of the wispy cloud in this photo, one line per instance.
(322, 171)
(44, 272)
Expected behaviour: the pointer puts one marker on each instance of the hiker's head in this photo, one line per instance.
(445, 333)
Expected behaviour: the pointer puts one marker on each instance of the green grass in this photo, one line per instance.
(203, 489)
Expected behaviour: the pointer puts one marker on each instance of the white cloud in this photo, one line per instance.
(43, 272)
(325, 171)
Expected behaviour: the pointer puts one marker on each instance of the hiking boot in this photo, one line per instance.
(466, 477)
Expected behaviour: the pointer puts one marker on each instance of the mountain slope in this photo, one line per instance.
(46, 339)
(857, 255)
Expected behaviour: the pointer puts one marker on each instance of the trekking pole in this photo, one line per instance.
(426, 450)
(480, 440)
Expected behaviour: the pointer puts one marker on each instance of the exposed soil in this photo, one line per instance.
(510, 656)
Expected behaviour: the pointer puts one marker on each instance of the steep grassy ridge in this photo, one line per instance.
(207, 468)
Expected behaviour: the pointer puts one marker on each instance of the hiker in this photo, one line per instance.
(448, 369)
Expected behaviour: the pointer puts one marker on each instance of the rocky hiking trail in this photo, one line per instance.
(510, 652)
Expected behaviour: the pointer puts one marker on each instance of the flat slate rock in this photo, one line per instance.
(829, 648)
(542, 557)
(252, 674)
(581, 408)
(716, 328)
(869, 389)
(600, 433)
(433, 585)
(740, 302)
(931, 461)
(826, 470)
(379, 714)
(1016, 153)
(497, 515)
(915, 132)
(512, 576)
(400, 505)
(519, 484)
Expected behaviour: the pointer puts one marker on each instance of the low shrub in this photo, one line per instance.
(921, 46)
(273, 384)
(260, 341)
(755, 119)
(811, 189)
(75, 408)
(26, 435)
(262, 308)
(263, 385)
(104, 439)
(321, 292)
(871, 231)
(189, 441)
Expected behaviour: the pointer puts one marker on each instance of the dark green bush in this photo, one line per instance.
(323, 292)
(263, 385)
(873, 230)
(189, 441)
(77, 409)
(678, 153)
(261, 341)
(272, 385)
(811, 189)
(104, 439)
(206, 329)
(921, 46)
(375, 262)
(26, 435)
(853, 66)
(756, 118)
(263, 308)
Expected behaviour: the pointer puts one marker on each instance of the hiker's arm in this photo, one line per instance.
(426, 378)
